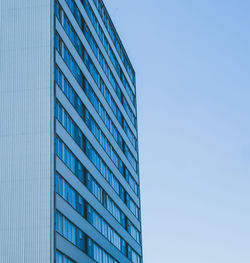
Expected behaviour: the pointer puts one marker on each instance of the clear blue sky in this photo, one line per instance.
(192, 59)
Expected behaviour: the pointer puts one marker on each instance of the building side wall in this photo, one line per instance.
(26, 129)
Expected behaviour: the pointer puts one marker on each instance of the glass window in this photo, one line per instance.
(58, 11)
(59, 223)
(59, 148)
(90, 214)
(97, 253)
(59, 185)
(79, 204)
(124, 247)
(90, 248)
(58, 77)
(104, 228)
(58, 44)
(79, 171)
(59, 258)
(97, 221)
(80, 239)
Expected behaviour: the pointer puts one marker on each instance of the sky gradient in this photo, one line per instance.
(192, 60)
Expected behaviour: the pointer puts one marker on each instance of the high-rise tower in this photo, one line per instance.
(69, 177)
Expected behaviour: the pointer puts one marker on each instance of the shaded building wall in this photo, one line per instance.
(26, 131)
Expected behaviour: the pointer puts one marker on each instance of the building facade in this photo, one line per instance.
(69, 167)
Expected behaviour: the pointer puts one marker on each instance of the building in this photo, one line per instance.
(69, 177)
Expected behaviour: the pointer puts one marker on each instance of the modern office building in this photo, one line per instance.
(69, 177)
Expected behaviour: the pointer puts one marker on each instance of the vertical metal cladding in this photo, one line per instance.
(26, 159)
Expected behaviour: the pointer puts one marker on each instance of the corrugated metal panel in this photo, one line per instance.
(26, 159)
